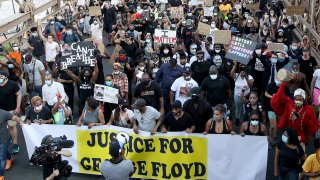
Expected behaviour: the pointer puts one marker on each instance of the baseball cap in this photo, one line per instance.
(4, 73)
(139, 103)
(123, 102)
(127, 35)
(176, 104)
(187, 70)
(28, 58)
(195, 90)
(114, 148)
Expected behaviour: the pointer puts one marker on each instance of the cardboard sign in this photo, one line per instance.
(106, 94)
(222, 37)
(204, 29)
(95, 11)
(165, 36)
(89, 40)
(161, 1)
(253, 6)
(275, 46)
(208, 3)
(208, 11)
(295, 10)
(240, 49)
(196, 2)
(77, 55)
(177, 12)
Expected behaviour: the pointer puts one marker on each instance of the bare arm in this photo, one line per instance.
(73, 76)
(276, 161)
(65, 153)
(95, 73)
(171, 96)
(42, 74)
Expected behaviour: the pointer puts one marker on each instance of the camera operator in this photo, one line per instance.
(118, 167)
(50, 168)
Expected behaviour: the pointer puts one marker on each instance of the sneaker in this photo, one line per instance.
(8, 164)
(15, 149)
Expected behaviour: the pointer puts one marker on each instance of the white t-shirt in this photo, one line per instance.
(193, 59)
(51, 51)
(182, 89)
(49, 93)
(316, 74)
(239, 83)
(37, 75)
(147, 120)
(96, 31)
(122, 122)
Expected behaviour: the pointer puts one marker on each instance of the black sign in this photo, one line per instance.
(77, 54)
(240, 49)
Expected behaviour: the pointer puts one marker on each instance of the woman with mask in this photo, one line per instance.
(109, 107)
(253, 127)
(146, 44)
(288, 155)
(122, 116)
(296, 113)
(38, 113)
(61, 112)
(165, 53)
(243, 82)
(280, 37)
(220, 123)
(140, 69)
(154, 65)
(253, 104)
(91, 114)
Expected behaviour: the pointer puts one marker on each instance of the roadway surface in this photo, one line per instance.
(22, 170)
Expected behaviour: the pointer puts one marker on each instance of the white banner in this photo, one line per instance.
(227, 156)
(165, 36)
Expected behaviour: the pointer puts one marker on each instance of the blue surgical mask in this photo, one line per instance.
(254, 122)
(274, 60)
(277, 82)
(284, 138)
(1, 80)
(108, 83)
(10, 66)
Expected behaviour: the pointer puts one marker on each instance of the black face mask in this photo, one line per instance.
(145, 82)
(87, 77)
(195, 98)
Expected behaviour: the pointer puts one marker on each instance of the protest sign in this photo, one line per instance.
(161, 1)
(95, 11)
(77, 54)
(89, 39)
(240, 49)
(196, 2)
(115, 2)
(253, 6)
(173, 155)
(177, 12)
(208, 3)
(165, 36)
(208, 11)
(295, 10)
(275, 46)
(222, 37)
(106, 94)
(204, 29)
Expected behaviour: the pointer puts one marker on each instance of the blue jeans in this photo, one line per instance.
(290, 173)
(36, 92)
(238, 105)
(3, 157)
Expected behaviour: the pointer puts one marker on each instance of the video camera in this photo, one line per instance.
(47, 154)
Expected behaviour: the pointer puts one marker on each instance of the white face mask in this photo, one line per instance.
(217, 50)
(294, 47)
(48, 82)
(38, 108)
(213, 25)
(148, 41)
(69, 32)
(34, 34)
(266, 16)
(166, 51)
(116, 72)
(213, 76)
(15, 48)
(254, 122)
(258, 51)
(189, 14)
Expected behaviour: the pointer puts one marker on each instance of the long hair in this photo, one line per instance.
(116, 116)
(292, 136)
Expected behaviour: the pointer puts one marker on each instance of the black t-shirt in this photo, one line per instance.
(186, 34)
(216, 90)
(44, 114)
(85, 90)
(63, 75)
(175, 3)
(200, 113)
(200, 70)
(130, 49)
(173, 125)
(123, 63)
(150, 94)
(306, 66)
(37, 43)
(272, 88)
(289, 157)
(8, 98)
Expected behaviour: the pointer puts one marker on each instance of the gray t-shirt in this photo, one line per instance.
(118, 171)
(4, 133)
(90, 117)
(148, 119)
(37, 76)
